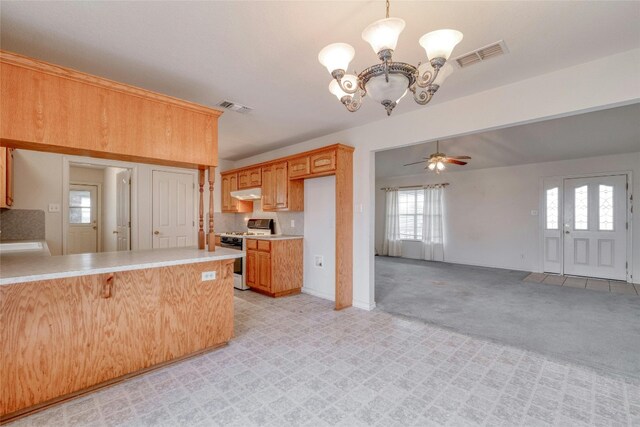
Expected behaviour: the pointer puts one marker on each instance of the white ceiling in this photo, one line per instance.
(264, 54)
(601, 133)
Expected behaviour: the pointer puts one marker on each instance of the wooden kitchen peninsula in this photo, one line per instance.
(73, 323)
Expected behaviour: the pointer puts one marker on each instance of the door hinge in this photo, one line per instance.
(627, 225)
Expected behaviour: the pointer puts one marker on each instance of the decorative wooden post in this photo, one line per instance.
(201, 243)
(212, 237)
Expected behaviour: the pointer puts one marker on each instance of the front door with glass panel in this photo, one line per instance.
(83, 217)
(595, 227)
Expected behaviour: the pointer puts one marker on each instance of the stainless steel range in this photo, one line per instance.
(235, 240)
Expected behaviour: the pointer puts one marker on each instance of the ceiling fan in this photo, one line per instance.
(437, 160)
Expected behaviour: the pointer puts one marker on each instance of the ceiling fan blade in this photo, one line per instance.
(414, 163)
(455, 162)
(459, 157)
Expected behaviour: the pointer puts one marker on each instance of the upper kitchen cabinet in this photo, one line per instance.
(278, 192)
(45, 107)
(314, 164)
(229, 203)
(6, 177)
(249, 178)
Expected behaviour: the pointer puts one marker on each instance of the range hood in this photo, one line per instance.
(248, 194)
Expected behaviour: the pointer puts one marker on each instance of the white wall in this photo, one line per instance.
(488, 219)
(320, 237)
(560, 93)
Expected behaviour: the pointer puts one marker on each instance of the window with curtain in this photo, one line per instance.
(410, 210)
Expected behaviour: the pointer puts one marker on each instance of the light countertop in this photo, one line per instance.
(18, 269)
(24, 248)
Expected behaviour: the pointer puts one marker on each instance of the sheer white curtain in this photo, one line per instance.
(432, 234)
(392, 244)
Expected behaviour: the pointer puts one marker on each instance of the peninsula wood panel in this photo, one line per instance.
(50, 108)
(61, 336)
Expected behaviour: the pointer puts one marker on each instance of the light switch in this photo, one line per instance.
(54, 207)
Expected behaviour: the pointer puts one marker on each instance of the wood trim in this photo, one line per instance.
(344, 229)
(277, 294)
(201, 239)
(211, 238)
(68, 73)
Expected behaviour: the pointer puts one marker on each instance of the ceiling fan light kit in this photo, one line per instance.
(436, 161)
(388, 82)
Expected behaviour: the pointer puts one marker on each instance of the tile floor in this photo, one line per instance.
(613, 286)
(295, 361)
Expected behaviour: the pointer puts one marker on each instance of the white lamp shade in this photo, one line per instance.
(336, 56)
(383, 34)
(334, 87)
(440, 44)
(393, 90)
(440, 166)
(432, 166)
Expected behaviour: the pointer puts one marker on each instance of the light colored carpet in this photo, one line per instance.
(597, 329)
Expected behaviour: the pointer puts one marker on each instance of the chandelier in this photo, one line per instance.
(388, 82)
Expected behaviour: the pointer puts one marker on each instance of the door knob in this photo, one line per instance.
(156, 232)
(115, 232)
(94, 227)
(566, 232)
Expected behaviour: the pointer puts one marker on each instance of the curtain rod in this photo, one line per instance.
(444, 184)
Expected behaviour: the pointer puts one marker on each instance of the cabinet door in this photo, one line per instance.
(226, 194)
(268, 188)
(255, 177)
(252, 267)
(282, 185)
(244, 180)
(323, 162)
(233, 186)
(264, 270)
(299, 167)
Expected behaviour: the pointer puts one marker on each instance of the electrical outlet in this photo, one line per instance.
(534, 212)
(293, 223)
(208, 275)
(319, 261)
(54, 207)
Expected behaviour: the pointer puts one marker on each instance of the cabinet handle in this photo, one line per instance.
(107, 285)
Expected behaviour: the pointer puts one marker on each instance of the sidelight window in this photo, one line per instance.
(552, 208)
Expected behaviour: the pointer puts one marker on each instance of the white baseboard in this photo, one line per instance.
(319, 294)
(364, 305)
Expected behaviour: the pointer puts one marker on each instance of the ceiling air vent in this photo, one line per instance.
(234, 106)
(482, 54)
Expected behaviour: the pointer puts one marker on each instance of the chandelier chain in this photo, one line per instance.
(387, 8)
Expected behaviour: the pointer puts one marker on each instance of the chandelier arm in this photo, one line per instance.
(426, 79)
(352, 103)
(423, 97)
(347, 86)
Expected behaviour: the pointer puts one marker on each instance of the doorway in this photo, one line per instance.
(98, 207)
(586, 226)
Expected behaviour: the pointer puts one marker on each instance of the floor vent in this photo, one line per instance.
(482, 54)
(234, 106)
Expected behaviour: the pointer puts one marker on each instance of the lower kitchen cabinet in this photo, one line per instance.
(62, 336)
(274, 267)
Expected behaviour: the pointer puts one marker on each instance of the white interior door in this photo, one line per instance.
(83, 219)
(595, 227)
(123, 210)
(173, 211)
